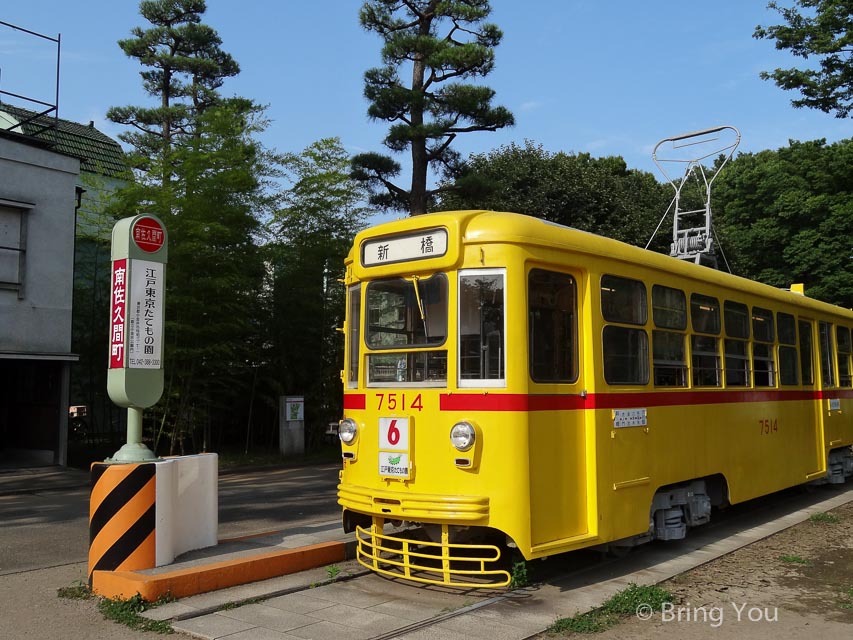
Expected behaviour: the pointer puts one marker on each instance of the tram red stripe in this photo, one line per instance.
(557, 402)
(355, 401)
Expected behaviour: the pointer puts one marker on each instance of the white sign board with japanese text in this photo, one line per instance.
(418, 246)
(145, 315)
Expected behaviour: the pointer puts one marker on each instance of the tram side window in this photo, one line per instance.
(705, 354)
(626, 355)
(669, 308)
(626, 350)
(842, 340)
(669, 311)
(623, 300)
(787, 330)
(806, 368)
(670, 365)
(354, 330)
(481, 325)
(827, 373)
(552, 326)
(763, 365)
(736, 318)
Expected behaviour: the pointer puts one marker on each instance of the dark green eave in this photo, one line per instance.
(97, 152)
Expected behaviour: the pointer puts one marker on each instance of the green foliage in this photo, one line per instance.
(184, 67)
(600, 195)
(199, 167)
(128, 612)
(824, 518)
(846, 600)
(89, 335)
(519, 577)
(793, 559)
(333, 570)
(428, 113)
(785, 216)
(309, 239)
(628, 602)
(79, 590)
(817, 30)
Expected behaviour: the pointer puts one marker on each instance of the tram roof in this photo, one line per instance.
(480, 226)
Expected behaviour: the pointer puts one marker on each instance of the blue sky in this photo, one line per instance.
(608, 77)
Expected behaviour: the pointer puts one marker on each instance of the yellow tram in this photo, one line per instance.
(510, 377)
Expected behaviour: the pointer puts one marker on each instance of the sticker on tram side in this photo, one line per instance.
(629, 418)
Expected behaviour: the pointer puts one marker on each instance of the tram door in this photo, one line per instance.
(814, 420)
(558, 439)
(833, 419)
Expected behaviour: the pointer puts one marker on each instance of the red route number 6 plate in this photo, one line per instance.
(394, 447)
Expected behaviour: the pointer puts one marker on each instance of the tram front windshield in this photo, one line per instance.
(403, 313)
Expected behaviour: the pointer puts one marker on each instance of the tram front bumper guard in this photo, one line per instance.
(440, 563)
(396, 505)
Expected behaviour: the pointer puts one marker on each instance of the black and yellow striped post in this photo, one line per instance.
(122, 517)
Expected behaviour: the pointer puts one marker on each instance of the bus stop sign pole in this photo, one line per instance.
(135, 372)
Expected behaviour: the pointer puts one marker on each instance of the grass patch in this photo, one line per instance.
(128, 612)
(519, 577)
(824, 518)
(333, 570)
(629, 601)
(794, 559)
(77, 591)
(846, 601)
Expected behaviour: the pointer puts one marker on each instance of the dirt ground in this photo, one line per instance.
(797, 583)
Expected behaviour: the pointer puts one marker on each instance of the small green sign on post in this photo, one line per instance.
(135, 373)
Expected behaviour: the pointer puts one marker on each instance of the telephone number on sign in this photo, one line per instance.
(145, 362)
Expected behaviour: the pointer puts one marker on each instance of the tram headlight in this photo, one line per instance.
(462, 436)
(347, 430)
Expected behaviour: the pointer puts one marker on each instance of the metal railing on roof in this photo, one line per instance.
(45, 114)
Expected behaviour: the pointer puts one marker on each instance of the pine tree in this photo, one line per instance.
(436, 106)
(200, 168)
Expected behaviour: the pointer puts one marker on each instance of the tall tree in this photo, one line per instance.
(215, 272)
(600, 195)
(200, 168)
(436, 106)
(184, 66)
(786, 216)
(821, 30)
(312, 234)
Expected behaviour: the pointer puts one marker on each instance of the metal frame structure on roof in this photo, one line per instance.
(692, 228)
(46, 117)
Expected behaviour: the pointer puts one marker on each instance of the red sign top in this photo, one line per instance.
(148, 235)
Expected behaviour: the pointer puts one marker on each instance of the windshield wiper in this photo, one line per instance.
(416, 283)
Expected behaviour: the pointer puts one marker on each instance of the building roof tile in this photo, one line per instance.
(97, 152)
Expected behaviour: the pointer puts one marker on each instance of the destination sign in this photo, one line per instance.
(418, 246)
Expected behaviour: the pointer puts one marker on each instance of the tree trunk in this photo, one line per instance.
(417, 195)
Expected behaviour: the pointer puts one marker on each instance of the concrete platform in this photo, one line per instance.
(233, 562)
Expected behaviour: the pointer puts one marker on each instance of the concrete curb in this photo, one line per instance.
(217, 575)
